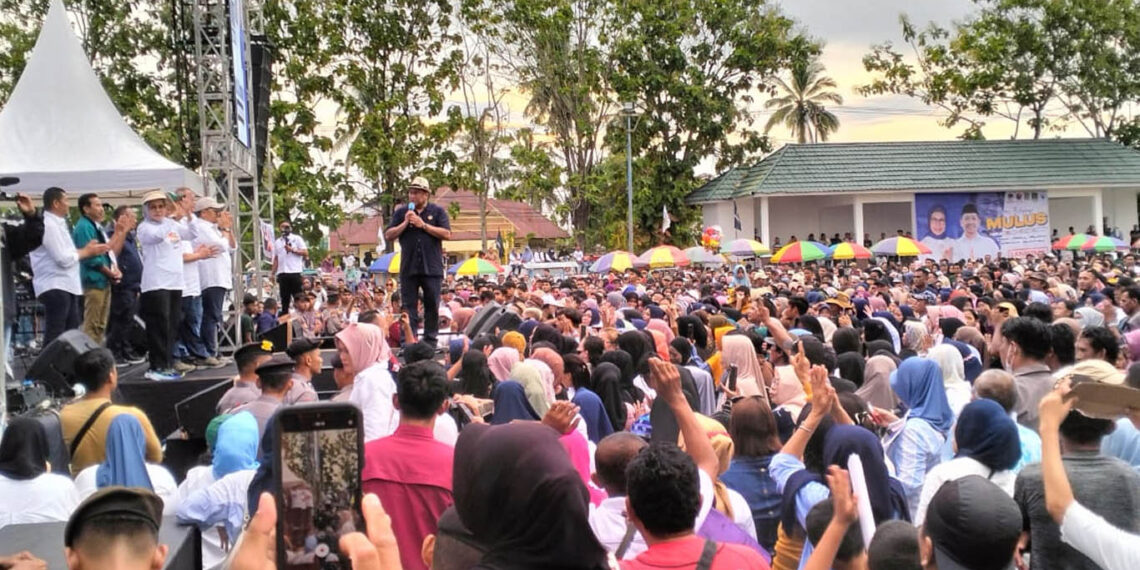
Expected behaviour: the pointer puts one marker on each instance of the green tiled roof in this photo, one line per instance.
(919, 166)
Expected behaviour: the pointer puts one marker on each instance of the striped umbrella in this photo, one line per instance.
(475, 266)
(662, 256)
(745, 248)
(1104, 243)
(800, 251)
(387, 263)
(848, 250)
(613, 261)
(1072, 242)
(702, 256)
(900, 246)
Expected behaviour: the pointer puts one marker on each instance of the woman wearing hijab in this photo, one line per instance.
(950, 363)
(475, 377)
(553, 362)
(511, 404)
(460, 318)
(802, 489)
(915, 339)
(738, 352)
(987, 445)
(533, 376)
(361, 347)
(502, 361)
(515, 340)
(29, 492)
(208, 504)
(702, 380)
(518, 492)
(593, 410)
(692, 328)
(605, 380)
(729, 502)
(915, 442)
(851, 367)
(847, 339)
(876, 388)
(640, 350)
(126, 466)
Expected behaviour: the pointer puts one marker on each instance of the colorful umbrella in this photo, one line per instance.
(1072, 242)
(900, 246)
(800, 251)
(662, 256)
(848, 250)
(613, 261)
(387, 263)
(745, 248)
(475, 266)
(702, 256)
(1104, 243)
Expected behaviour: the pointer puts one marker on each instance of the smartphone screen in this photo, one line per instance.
(318, 463)
(732, 373)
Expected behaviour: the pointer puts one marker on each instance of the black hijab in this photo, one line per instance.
(851, 367)
(521, 497)
(546, 333)
(620, 358)
(606, 379)
(639, 349)
(475, 376)
(693, 329)
(24, 450)
(847, 339)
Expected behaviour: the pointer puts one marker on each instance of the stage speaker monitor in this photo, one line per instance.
(483, 319)
(196, 410)
(55, 366)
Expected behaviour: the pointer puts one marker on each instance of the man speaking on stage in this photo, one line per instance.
(421, 227)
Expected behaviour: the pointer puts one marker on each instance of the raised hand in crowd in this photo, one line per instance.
(24, 203)
(562, 417)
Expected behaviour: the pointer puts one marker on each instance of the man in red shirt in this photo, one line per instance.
(409, 470)
(664, 497)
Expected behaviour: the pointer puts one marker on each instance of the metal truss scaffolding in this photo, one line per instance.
(228, 165)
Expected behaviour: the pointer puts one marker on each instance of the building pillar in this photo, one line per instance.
(765, 227)
(1098, 211)
(857, 208)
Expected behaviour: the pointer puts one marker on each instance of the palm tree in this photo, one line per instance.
(801, 108)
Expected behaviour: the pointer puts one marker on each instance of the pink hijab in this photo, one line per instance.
(662, 327)
(365, 345)
(579, 452)
(461, 317)
(789, 392)
(1132, 339)
(553, 361)
(738, 351)
(659, 345)
(877, 303)
(501, 361)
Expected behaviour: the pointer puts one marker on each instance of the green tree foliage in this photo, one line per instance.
(396, 63)
(534, 176)
(693, 67)
(802, 106)
(1042, 63)
(133, 50)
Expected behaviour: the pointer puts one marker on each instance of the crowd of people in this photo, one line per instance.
(704, 418)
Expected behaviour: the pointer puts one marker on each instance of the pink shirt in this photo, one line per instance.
(411, 474)
(685, 552)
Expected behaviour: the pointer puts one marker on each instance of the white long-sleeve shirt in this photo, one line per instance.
(191, 282)
(214, 271)
(161, 244)
(1109, 547)
(372, 391)
(55, 263)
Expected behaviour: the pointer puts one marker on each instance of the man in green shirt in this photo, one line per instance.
(96, 273)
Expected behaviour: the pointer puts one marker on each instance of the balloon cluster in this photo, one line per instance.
(710, 238)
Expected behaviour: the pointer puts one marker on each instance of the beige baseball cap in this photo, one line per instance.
(207, 203)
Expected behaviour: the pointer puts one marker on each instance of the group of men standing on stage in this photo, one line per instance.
(173, 269)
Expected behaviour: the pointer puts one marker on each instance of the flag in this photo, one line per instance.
(499, 245)
(736, 223)
(666, 222)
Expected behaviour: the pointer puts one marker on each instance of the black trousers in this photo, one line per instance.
(162, 312)
(411, 287)
(124, 307)
(288, 284)
(61, 313)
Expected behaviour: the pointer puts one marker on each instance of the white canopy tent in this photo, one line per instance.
(59, 127)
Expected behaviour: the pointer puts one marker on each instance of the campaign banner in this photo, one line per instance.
(977, 225)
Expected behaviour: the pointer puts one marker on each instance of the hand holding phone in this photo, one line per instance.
(317, 464)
